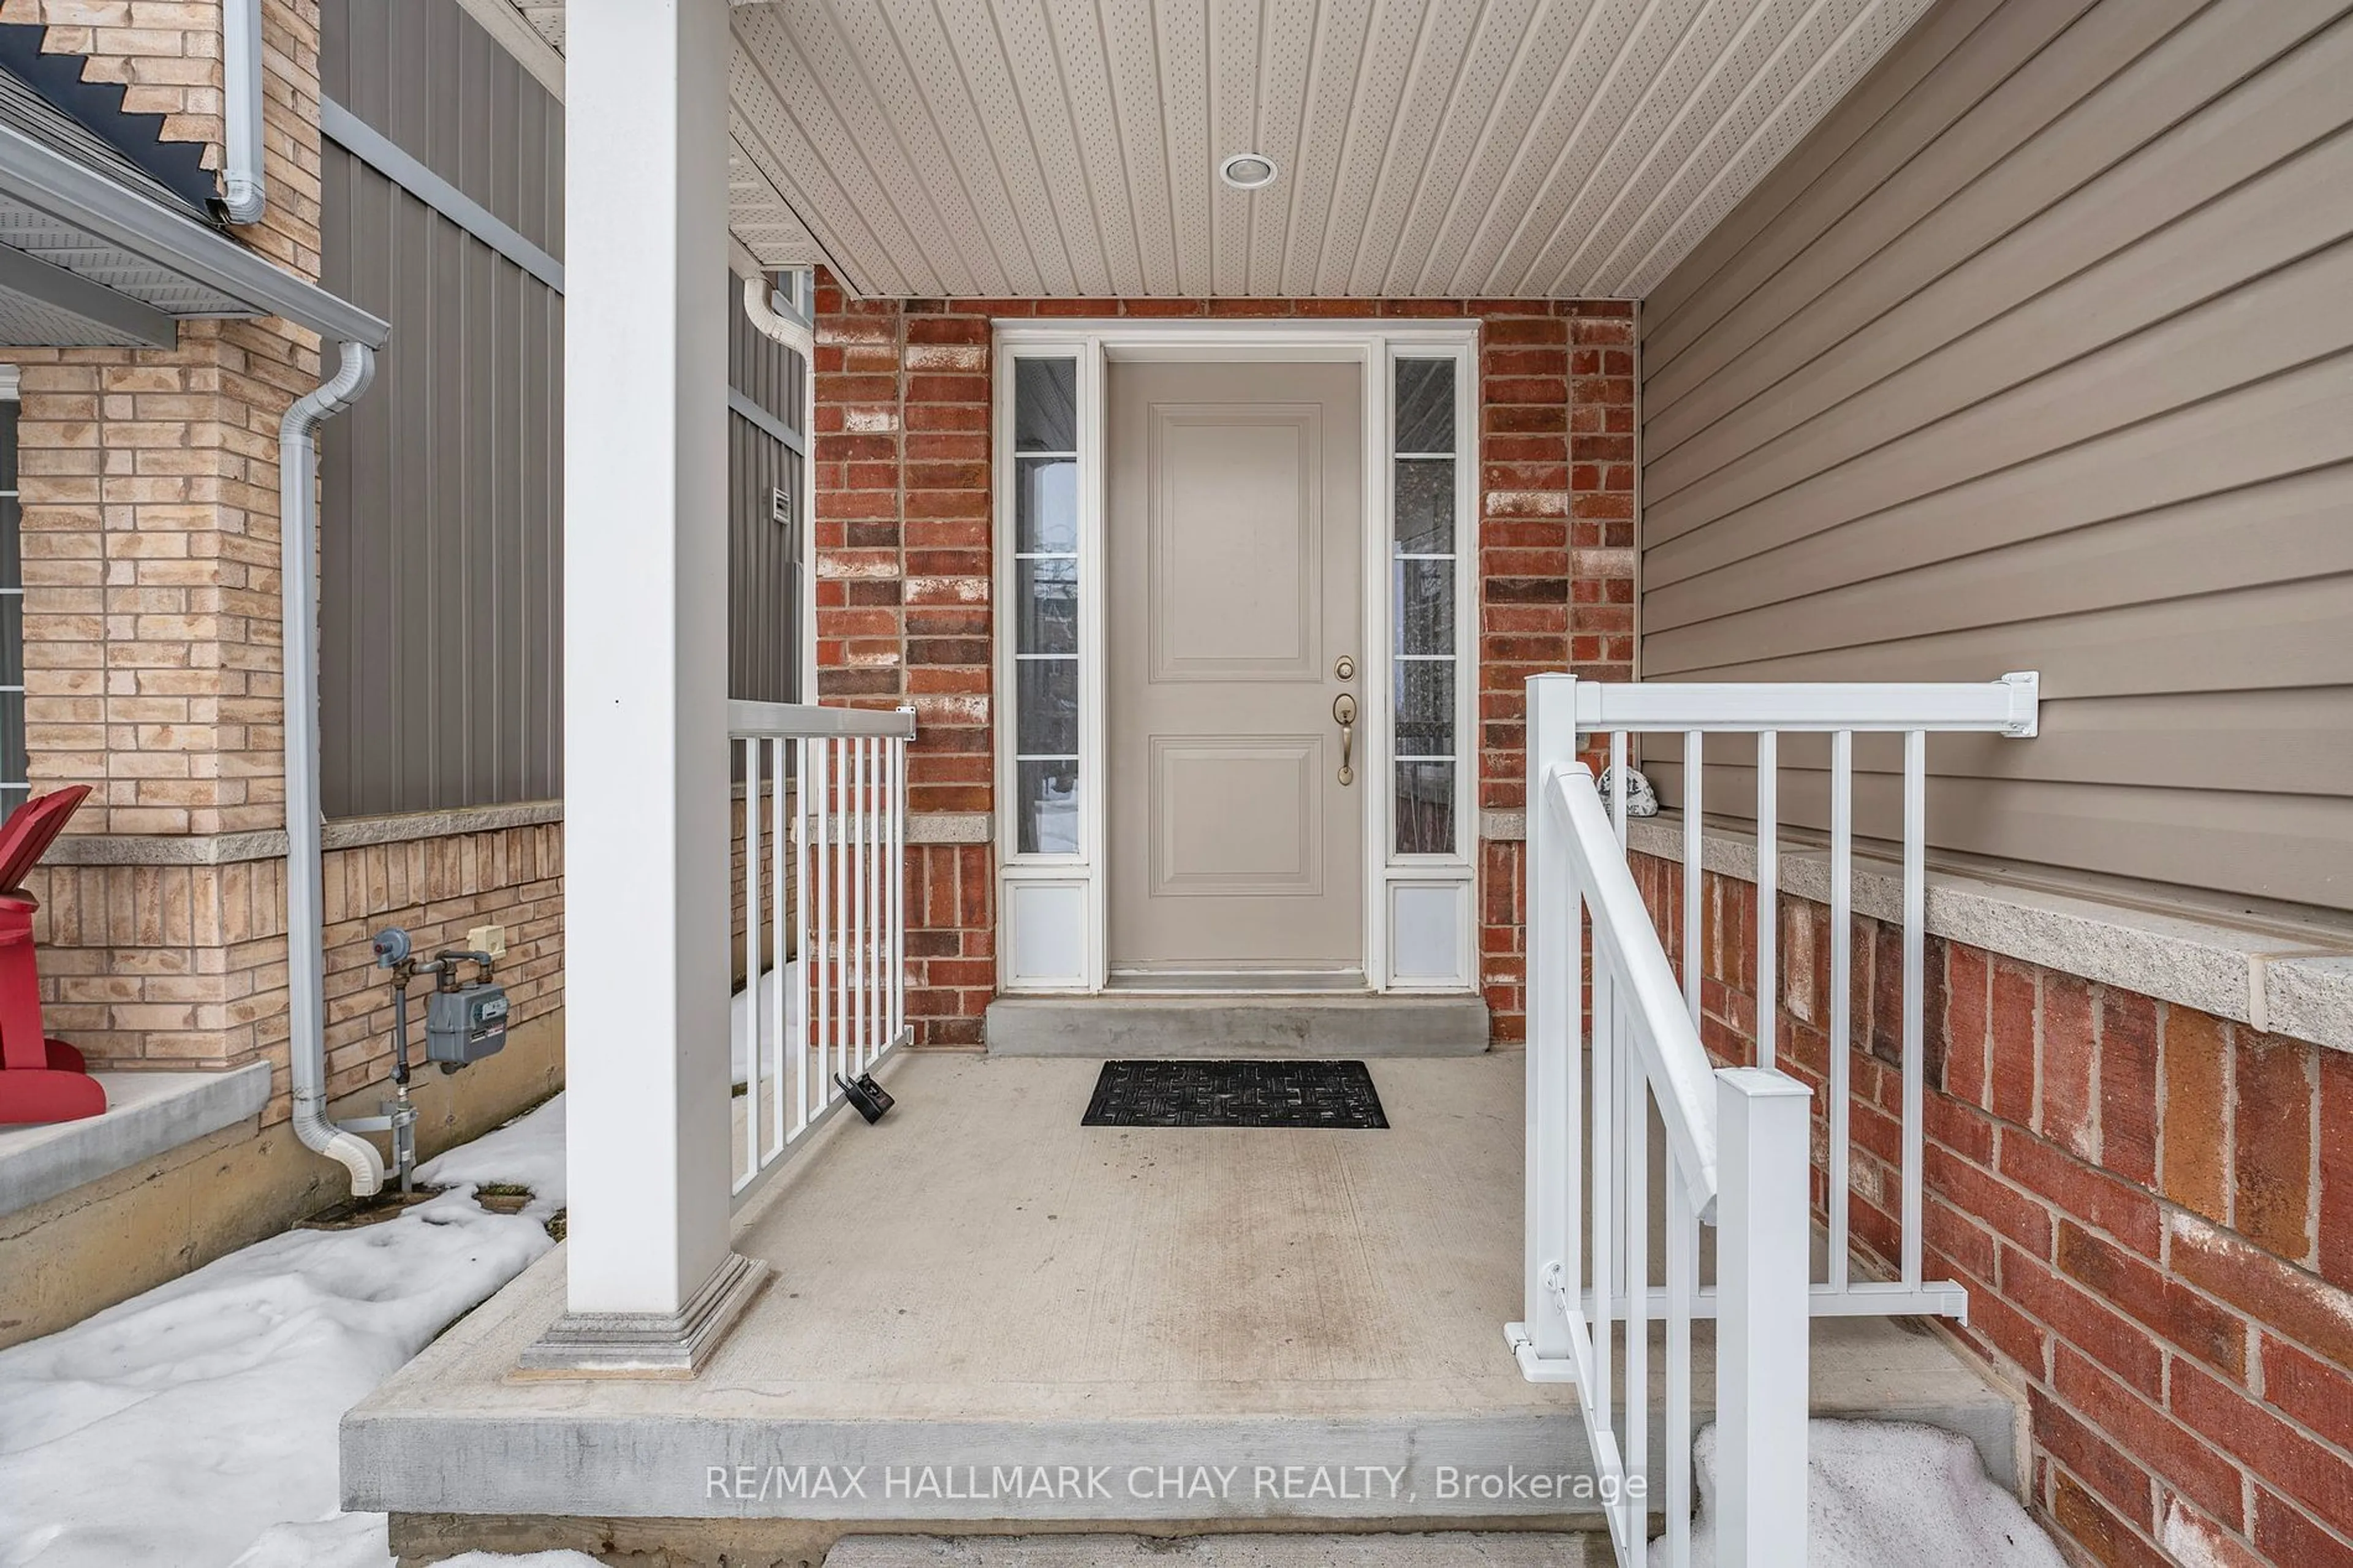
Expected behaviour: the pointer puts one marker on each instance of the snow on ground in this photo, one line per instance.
(190, 1424)
(739, 1034)
(1889, 1491)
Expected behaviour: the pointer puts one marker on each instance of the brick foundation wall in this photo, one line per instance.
(2151, 1208)
(183, 967)
(903, 566)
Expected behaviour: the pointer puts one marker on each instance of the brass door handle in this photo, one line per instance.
(1344, 710)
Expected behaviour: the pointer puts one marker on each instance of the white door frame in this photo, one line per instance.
(1420, 915)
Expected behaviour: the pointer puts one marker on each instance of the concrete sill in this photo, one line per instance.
(147, 1113)
(2280, 978)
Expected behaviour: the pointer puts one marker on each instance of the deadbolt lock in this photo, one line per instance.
(1345, 669)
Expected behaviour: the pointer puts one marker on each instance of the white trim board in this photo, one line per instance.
(1053, 908)
(509, 29)
(768, 424)
(387, 158)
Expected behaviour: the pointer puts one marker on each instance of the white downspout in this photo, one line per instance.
(246, 194)
(793, 333)
(298, 527)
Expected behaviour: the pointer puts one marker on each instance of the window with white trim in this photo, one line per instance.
(1423, 550)
(1046, 605)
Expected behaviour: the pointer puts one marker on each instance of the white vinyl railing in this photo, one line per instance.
(820, 893)
(1737, 1151)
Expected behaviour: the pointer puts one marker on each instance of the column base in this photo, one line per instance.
(648, 1344)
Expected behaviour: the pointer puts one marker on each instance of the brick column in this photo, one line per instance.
(1556, 565)
(904, 572)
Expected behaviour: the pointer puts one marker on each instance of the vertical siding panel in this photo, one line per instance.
(551, 648)
(442, 575)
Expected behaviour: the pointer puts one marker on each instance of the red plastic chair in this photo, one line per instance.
(41, 1079)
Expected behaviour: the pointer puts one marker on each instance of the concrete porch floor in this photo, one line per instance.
(979, 1284)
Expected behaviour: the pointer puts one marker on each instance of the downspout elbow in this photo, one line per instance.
(297, 515)
(244, 192)
(794, 334)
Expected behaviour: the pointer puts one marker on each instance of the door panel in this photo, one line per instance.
(1233, 542)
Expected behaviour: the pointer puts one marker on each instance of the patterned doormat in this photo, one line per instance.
(1234, 1094)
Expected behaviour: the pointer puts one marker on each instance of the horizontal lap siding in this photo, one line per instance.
(2038, 354)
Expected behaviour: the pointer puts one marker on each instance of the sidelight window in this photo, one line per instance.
(1424, 663)
(1046, 605)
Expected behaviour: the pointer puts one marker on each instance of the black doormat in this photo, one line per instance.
(1234, 1094)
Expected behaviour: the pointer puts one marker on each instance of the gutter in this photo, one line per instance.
(298, 527)
(47, 180)
(244, 192)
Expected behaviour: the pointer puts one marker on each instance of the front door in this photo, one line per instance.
(1233, 541)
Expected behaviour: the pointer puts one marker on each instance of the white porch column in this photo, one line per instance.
(652, 1282)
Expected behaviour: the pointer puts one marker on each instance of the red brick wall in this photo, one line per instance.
(903, 566)
(1556, 568)
(2152, 1210)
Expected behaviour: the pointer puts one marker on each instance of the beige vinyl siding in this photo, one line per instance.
(2038, 354)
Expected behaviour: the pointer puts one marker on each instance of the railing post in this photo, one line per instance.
(1764, 1309)
(1554, 982)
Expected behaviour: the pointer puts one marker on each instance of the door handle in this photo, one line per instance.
(1344, 710)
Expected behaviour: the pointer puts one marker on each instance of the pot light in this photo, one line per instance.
(1247, 171)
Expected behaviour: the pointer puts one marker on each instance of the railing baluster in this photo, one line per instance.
(1694, 954)
(871, 958)
(1604, 1205)
(1841, 989)
(803, 969)
(779, 995)
(1637, 1148)
(750, 960)
(1915, 915)
(897, 889)
(821, 877)
(863, 1044)
(1675, 1442)
(1768, 896)
(1617, 783)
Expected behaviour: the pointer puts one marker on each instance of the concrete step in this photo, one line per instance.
(1302, 1024)
(987, 1318)
(1460, 1549)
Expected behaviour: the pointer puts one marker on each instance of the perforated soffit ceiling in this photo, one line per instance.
(1438, 148)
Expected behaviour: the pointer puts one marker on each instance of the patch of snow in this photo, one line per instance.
(527, 1152)
(1879, 1492)
(739, 1025)
(338, 1541)
(197, 1424)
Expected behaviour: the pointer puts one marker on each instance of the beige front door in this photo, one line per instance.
(1233, 538)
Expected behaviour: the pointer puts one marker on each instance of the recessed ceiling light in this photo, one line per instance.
(1247, 171)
